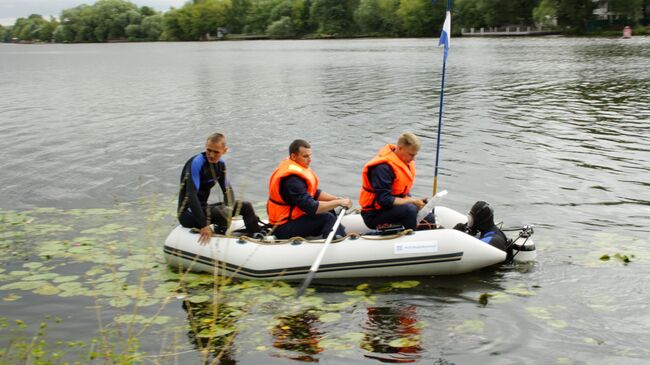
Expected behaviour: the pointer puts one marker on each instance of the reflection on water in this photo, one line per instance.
(550, 131)
(392, 334)
(298, 336)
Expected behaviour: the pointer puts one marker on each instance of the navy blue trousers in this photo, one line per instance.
(404, 215)
(317, 225)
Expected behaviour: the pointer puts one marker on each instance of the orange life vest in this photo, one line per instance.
(404, 176)
(279, 211)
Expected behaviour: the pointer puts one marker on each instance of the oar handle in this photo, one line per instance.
(321, 254)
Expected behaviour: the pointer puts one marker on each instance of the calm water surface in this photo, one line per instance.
(550, 131)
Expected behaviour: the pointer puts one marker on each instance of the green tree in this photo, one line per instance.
(207, 16)
(419, 18)
(574, 14)
(332, 16)
(258, 16)
(236, 17)
(545, 13)
(378, 16)
(282, 28)
(34, 28)
(152, 27)
(631, 9)
(468, 14)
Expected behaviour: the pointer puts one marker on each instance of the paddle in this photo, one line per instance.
(427, 208)
(319, 258)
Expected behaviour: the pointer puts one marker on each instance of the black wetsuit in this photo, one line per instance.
(197, 179)
(494, 237)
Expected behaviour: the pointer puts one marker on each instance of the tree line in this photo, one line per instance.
(121, 20)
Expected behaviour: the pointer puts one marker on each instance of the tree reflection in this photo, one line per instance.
(392, 334)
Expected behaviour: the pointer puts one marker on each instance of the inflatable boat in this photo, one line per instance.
(362, 253)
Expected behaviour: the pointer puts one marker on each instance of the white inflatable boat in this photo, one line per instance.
(364, 254)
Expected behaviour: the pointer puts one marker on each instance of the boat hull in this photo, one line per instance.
(420, 253)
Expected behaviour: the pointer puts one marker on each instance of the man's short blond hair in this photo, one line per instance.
(409, 140)
(217, 137)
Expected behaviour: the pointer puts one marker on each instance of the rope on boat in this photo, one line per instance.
(299, 239)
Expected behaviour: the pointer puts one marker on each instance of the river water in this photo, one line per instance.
(551, 131)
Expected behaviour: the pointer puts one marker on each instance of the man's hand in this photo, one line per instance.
(205, 234)
(345, 202)
(419, 203)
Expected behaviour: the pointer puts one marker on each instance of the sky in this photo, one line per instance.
(10, 10)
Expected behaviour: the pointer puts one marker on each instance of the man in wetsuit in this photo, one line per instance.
(296, 206)
(480, 219)
(200, 173)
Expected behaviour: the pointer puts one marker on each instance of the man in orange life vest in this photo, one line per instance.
(387, 180)
(296, 206)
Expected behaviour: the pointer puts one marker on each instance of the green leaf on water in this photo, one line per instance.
(483, 298)
(520, 291)
(215, 331)
(312, 301)
(353, 336)
(199, 299)
(11, 297)
(604, 257)
(130, 318)
(404, 342)
(329, 317)
(354, 293)
(44, 276)
(32, 265)
(557, 323)
(624, 258)
(65, 279)
(119, 302)
(161, 320)
(471, 326)
(110, 228)
(47, 290)
(539, 312)
(405, 284)
(147, 302)
(23, 285)
(284, 291)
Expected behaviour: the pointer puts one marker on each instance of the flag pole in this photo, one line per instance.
(445, 37)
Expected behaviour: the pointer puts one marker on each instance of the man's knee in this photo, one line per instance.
(245, 208)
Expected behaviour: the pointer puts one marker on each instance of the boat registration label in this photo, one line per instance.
(415, 247)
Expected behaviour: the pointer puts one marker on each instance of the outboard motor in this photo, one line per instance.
(522, 248)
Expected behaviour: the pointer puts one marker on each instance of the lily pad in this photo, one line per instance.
(199, 299)
(216, 331)
(471, 326)
(329, 317)
(130, 318)
(119, 302)
(11, 297)
(47, 290)
(404, 342)
(405, 284)
(65, 279)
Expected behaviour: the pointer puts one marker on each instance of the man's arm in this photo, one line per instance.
(381, 179)
(296, 193)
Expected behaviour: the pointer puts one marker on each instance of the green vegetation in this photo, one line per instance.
(121, 20)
